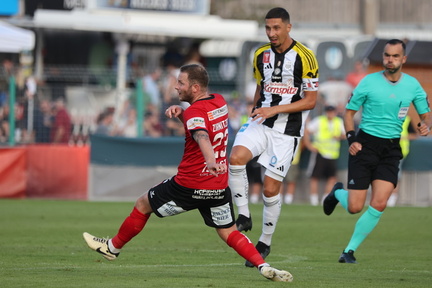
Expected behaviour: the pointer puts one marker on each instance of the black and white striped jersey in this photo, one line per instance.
(283, 78)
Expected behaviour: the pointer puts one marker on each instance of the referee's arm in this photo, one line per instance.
(354, 146)
(349, 120)
(425, 125)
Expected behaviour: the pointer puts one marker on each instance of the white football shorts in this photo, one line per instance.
(275, 150)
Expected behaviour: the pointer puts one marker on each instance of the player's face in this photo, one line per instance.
(277, 31)
(393, 58)
(183, 87)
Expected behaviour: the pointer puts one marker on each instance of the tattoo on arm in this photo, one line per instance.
(199, 135)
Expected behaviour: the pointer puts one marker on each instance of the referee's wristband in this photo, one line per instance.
(351, 137)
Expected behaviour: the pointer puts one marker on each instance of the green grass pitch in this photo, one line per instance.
(42, 246)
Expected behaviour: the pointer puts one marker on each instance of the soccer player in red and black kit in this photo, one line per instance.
(201, 181)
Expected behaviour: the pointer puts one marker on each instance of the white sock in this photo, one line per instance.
(238, 183)
(112, 248)
(254, 199)
(314, 199)
(271, 212)
(263, 265)
(288, 199)
(392, 200)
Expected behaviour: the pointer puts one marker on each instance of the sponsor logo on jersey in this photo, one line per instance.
(268, 66)
(220, 112)
(280, 88)
(276, 76)
(266, 57)
(243, 128)
(288, 65)
(196, 122)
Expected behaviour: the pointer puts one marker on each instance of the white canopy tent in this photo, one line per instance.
(14, 39)
(148, 23)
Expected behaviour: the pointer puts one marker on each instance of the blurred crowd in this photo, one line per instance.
(40, 118)
(48, 120)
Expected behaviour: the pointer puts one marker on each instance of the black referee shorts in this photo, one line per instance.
(378, 160)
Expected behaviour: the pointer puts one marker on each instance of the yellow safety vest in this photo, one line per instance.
(297, 155)
(327, 138)
(404, 141)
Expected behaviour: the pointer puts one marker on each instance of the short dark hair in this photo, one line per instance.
(278, 12)
(397, 41)
(197, 74)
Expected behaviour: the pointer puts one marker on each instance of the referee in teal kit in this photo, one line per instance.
(374, 153)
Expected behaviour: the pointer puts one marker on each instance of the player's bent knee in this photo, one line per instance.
(235, 159)
(355, 209)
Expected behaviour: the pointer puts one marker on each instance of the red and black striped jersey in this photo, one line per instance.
(283, 78)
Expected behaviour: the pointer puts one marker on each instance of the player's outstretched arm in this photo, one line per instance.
(174, 111)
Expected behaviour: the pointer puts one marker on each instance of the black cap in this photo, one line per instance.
(329, 108)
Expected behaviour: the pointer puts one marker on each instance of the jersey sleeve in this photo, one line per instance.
(358, 96)
(194, 120)
(421, 102)
(310, 69)
(258, 57)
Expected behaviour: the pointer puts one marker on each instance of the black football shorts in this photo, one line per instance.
(169, 198)
(378, 160)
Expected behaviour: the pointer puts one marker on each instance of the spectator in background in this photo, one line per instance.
(173, 127)
(43, 121)
(128, 127)
(4, 123)
(152, 125)
(194, 56)
(151, 87)
(354, 77)
(335, 92)
(322, 137)
(62, 125)
(105, 123)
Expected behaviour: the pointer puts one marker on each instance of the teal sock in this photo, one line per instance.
(342, 196)
(364, 226)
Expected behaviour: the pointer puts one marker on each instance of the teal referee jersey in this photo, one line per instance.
(386, 104)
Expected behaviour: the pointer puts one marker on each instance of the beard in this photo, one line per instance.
(275, 45)
(392, 70)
